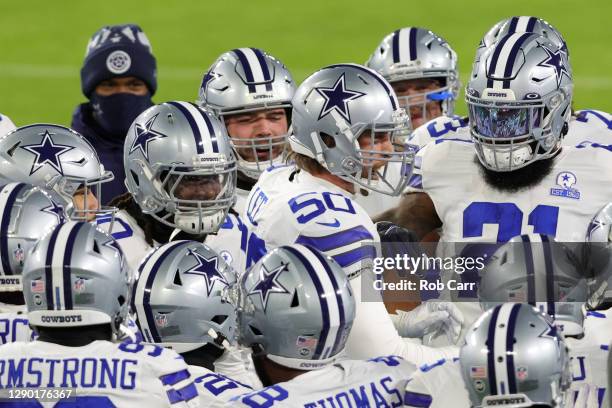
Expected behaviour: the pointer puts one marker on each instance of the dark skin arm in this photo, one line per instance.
(415, 212)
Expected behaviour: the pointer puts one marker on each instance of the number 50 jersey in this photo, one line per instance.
(561, 204)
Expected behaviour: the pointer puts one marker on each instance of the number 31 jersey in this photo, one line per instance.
(561, 204)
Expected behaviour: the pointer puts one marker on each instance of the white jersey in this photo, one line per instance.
(350, 383)
(101, 373)
(237, 364)
(598, 327)
(214, 389)
(561, 205)
(14, 325)
(286, 207)
(129, 236)
(241, 198)
(437, 385)
(589, 364)
(6, 125)
(589, 126)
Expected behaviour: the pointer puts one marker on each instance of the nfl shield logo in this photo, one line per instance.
(521, 373)
(79, 285)
(161, 320)
(19, 255)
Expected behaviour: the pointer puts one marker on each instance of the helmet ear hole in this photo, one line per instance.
(219, 319)
(121, 300)
(96, 248)
(255, 330)
(177, 278)
(328, 140)
(295, 302)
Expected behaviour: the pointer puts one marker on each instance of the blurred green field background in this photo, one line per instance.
(42, 43)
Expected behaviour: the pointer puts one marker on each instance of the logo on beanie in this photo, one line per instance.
(118, 62)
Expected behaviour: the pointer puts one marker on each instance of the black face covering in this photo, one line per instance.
(115, 113)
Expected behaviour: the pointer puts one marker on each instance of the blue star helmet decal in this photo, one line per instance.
(337, 98)
(556, 60)
(269, 284)
(145, 135)
(208, 269)
(56, 210)
(47, 152)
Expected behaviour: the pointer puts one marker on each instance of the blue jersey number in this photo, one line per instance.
(509, 219)
(265, 398)
(309, 205)
(216, 383)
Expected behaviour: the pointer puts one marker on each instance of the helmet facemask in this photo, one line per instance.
(196, 198)
(370, 167)
(512, 135)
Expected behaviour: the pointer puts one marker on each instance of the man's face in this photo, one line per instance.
(131, 85)
(252, 129)
(410, 94)
(85, 200)
(197, 188)
(377, 147)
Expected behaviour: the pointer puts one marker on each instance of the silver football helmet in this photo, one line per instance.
(247, 80)
(519, 99)
(26, 214)
(521, 24)
(341, 108)
(183, 291)
(179, 167)
(297, 307)
(597, 257)
(514, 356)
(536, 269)
(415, 53)
(76, 276)
(58, 159)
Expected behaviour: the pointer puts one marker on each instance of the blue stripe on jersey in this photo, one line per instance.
(192, 123)
(336, 240)
(604, 347)
(4, 226)
(512, 58)
(395, 46)
(491, 351)
(322, 301)
(188, 392)
(338, 293)
(494, 58)
(548, 267)
(209, 126)
(510, 349)
(412, 44)
(146, 301)
(596, 314)
(415, 399)
(531, 298)
(49, 269)
(247, 69)
(66, 265)
(355, 255)
(173, 378)
(264, 68)
(381, 81)
(416, 181)
(582, 117)
(174, 396)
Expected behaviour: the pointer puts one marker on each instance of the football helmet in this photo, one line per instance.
(513, 355)
(247, 80)
(180, 168)
(521, 24)
(597, 257)
(535, 269)
(58, 159)
(296, 307)
(27, 213)
(519, 101)
(333, 108)
(415, 53)
(183, 291)
(76, 276)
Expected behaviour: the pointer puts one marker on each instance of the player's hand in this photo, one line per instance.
(587, 397)
(429, 317)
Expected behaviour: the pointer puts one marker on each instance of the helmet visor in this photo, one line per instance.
(500, 122)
